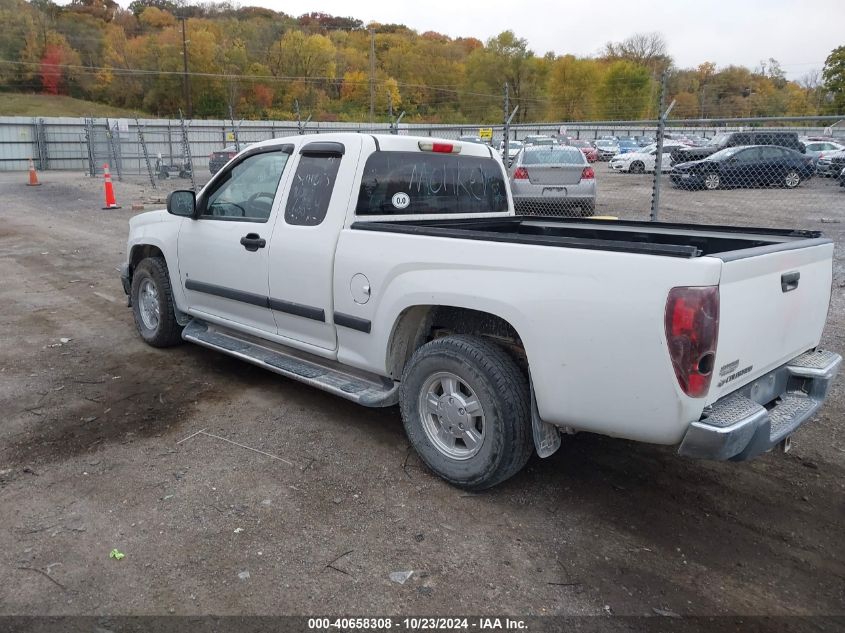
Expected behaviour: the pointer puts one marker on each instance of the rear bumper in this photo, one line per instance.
(757, 417)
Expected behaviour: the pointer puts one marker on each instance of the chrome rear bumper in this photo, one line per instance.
(760, 415)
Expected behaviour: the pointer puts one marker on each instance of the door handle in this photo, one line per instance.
(789, 281)
(253, 241)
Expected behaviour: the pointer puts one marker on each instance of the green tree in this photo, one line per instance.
(625, 91)
(571, 88)
(834, 80)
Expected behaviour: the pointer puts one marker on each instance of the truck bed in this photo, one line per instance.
(651, 238)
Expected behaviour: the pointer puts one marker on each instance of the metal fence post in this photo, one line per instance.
(186, 150)
(41, 144)
(146, 154)
(89, 142)
(658, 157)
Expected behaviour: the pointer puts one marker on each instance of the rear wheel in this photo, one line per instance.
(466, 410)
(637, 167)
(152, 304)
(712, 180)
(792, 179)
(588, 209)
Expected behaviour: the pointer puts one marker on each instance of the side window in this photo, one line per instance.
(771, 153)
(311, 189)
(248, 190)
(748, 156)
(740, 139)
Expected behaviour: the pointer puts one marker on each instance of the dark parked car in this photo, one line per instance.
(627, 145)
(223, 156)
(745, 166)
(736, 139)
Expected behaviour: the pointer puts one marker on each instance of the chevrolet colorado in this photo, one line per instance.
(392, 269)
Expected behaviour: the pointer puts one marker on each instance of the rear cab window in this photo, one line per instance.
(402, 183)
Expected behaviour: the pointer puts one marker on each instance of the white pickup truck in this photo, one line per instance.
(392, 269)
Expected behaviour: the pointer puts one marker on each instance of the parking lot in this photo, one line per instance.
(94, 456)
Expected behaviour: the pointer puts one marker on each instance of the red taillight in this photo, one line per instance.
(692, 331)
(520, 174)
(588, 173)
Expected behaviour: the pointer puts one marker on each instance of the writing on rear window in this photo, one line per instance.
(415, 183)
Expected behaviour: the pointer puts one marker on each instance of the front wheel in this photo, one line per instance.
(466, 410)
(152, 304)
(637, 167)
(712, 180)
(792, 179)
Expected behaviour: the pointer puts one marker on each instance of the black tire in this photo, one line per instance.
(167, 332)
(588, 210)
(502, 390)
(637, 167)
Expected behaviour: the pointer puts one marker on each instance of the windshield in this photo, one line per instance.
(719, 139)
(605, 144)
(580, 143)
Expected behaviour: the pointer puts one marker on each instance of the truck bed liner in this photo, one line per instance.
(652, 238)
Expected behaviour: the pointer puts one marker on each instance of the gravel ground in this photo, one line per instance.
(91, 459)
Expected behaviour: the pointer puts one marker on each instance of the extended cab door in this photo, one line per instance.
(302, 252)
(223, 253)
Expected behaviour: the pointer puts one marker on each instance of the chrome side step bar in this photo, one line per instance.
(366, 390)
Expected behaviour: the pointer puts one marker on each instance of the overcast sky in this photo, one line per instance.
(798, 33)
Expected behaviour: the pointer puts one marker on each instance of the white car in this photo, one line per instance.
(514, 148)
(393, 270)
(643, 160)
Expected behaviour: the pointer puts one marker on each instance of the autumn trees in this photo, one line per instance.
(260, 63)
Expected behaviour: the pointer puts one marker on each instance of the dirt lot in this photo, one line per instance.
(90, 460)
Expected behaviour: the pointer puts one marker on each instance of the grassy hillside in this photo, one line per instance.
(14, 104)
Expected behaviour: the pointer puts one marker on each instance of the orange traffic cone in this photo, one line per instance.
(33, 177)
(111, 203)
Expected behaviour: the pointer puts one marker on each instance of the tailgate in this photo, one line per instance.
(554, 174)
(773, 307)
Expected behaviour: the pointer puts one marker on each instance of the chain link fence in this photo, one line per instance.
(609, 168)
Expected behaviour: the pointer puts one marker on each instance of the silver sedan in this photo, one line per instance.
(553, 180)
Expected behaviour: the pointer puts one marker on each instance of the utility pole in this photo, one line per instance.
(372, 75)
(186, 84)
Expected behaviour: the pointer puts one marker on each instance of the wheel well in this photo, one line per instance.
(418, 325)
(141, 252)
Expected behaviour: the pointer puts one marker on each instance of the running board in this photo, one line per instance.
(327, 375)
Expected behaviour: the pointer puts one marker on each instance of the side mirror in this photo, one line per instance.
(182, 203)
